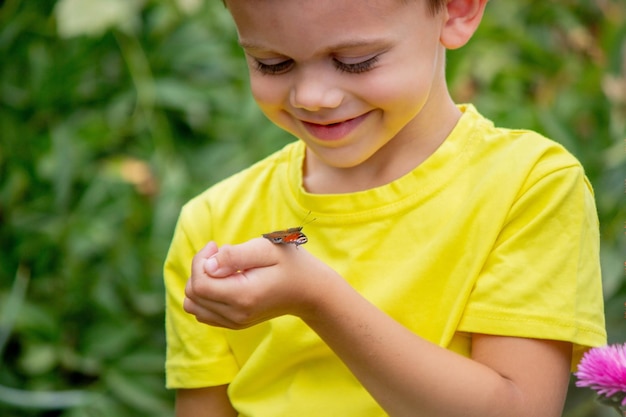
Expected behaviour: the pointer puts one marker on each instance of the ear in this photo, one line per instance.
(461, 21)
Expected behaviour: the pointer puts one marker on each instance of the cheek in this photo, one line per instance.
(396, 91)
(272, 96)
(406, 79)
(267, 91)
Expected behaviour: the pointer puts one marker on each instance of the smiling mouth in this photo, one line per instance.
(334, 131)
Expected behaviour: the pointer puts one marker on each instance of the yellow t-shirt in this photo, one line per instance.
(494, 233)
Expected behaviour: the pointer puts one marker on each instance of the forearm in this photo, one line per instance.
(406, 374)
(204, 402)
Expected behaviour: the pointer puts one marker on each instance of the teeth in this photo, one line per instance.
(334, 124)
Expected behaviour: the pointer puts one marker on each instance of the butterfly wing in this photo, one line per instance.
(293, 236)
(297, 238)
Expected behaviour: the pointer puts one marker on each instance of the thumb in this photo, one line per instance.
(230, 259)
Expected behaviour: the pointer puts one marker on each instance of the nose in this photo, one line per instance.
(313, 91)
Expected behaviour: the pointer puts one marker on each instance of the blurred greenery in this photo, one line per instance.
(114, 112)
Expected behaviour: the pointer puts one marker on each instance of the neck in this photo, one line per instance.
(411, 147)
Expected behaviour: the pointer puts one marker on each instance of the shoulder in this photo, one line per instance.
(241, 199)
(519, 155)
(261, 178)
(263, 170)
(514, 145)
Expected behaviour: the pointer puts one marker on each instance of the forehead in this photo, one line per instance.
(298, 24)
(282, 11)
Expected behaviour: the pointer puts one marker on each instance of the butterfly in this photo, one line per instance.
(293, 235)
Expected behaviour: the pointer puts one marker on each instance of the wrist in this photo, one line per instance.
(326, 293)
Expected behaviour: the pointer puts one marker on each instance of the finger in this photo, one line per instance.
(211, 316)
(255, 253)
(208, 250)
(198, 260)
(204, 290)
(194, 288)
(221, 304)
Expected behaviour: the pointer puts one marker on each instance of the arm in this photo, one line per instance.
(208, 402)
(410, 376)
(242, 285)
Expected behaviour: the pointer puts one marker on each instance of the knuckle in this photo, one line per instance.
(242, 318)
(189, 306)
(190, 289)
(198, 257)
(244, 311)
(226, 257)
(245, 300)
(195, 289)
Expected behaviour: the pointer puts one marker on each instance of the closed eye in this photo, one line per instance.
(273, 69)
(286, 65)
(357, 67)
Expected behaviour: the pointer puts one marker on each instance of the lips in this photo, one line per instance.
(334, 131)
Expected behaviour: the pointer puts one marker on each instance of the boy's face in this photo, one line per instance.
(345, 76)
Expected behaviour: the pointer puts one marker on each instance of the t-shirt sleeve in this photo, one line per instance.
(542, 279)
(198, 355)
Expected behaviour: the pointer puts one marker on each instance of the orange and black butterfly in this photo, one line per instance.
(291, 236)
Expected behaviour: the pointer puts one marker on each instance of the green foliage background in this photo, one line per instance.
(103, 137)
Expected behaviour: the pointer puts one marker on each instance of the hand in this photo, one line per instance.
(241, 285)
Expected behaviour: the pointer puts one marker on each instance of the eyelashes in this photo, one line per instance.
(273, 69)
(358, 67)
(284, 66)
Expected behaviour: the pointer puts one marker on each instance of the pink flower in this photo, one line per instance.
(603, 369)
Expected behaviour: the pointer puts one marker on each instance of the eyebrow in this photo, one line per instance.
(350, 44)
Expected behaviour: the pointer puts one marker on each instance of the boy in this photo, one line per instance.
(451, 267)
